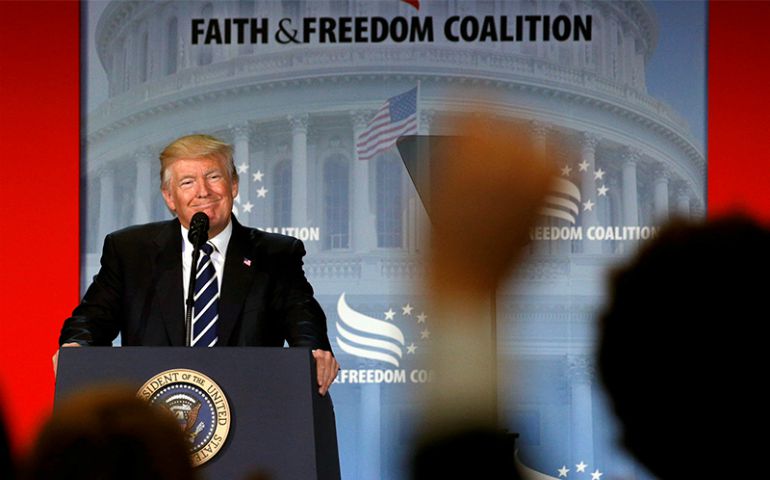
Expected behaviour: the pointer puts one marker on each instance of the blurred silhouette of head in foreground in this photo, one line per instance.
(681, 347)
(109, 433)
(6, 459)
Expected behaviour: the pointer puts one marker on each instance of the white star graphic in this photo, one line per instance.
(257, 177)
(247, 207)
(599, 174)
(566, 170)
(411, 348)
(583, 166)
(421, 318)
(602, 191)
(243, 167)
(588, 206)
(407, 309)
(425, 334)
(596, 475)
(581, 467)
(262, 192)
(563, 471)
(389, 314)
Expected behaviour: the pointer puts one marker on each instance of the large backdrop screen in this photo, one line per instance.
(314, 94)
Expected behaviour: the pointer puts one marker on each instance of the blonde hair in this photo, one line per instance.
(194, 147)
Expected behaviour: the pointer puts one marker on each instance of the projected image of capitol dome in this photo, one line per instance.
(295, 112)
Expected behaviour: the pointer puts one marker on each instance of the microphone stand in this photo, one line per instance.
(191, 295)
(198, 234)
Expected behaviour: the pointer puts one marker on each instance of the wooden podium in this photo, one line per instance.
(278, 423)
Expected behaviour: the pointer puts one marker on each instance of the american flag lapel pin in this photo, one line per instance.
(247, 262)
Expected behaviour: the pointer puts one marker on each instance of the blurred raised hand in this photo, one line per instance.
(490, 186)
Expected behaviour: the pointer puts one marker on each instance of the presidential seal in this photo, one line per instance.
(198, 404)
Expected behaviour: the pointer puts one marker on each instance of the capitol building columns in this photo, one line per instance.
(241, 160)
(613, 211)
(425, 121)
(364, 221)
(630, 193)
(154, 60)
(538, 132)
(106, 200)
(148, 55)
(581, 374)
(422, 223)
(370, 417)
(683, 202)
(129, 73)
(258, 165)
(219, 54)
(660, 197)
(299, 184)
(143, 195)
(588, 144)
(186, 53)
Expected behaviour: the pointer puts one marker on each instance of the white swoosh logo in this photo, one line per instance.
(366, 337)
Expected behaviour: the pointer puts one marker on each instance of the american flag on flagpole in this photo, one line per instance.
(395, 118)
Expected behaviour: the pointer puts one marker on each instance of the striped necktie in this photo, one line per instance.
(206, 309)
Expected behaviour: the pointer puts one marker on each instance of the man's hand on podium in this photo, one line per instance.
(55, 358)
(327, 368)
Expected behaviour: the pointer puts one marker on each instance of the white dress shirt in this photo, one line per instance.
(217, 257)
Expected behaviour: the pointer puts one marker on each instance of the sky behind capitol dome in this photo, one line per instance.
(676, 72)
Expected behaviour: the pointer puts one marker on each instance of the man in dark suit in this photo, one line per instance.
(257, 289)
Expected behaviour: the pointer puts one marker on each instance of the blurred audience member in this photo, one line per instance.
(109, 434)
(682, 347)
(7, 470)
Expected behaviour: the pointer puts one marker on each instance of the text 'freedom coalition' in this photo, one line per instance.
(518, 28)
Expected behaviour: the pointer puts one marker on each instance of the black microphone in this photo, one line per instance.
(198, 235)
(199, 230)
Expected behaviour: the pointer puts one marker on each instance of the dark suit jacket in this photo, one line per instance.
(138, 292)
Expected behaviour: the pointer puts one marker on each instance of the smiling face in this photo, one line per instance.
(200, 185)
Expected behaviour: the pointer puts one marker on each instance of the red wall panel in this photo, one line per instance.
(738, 108)
(39, 129)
